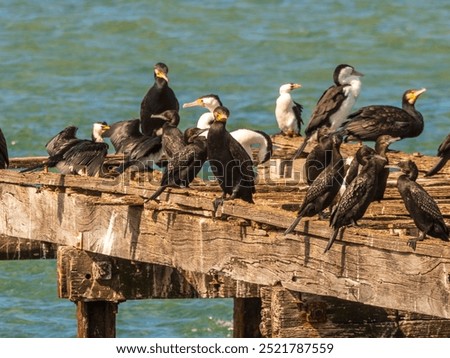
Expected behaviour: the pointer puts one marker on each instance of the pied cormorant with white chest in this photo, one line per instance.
(335, 104)
(288, 113)
(248, 138)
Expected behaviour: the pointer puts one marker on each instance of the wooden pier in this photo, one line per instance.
(112, 246)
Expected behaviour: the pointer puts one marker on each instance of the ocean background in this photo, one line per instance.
(74, 62)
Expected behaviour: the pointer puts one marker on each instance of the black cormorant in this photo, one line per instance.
(139, 150)
(357, 197)
(57, 147)
(381, 147)
(87, 156)
(421, 206)
(320, 156)
(159, 98)
(288, 113)
(324, 188)
(171, 136)
(444, 154)
(184, 166)
(4, 158)
(230, 163)
(248, 138)
(335, 104)
(370, 122)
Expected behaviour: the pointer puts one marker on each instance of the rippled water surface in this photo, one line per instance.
(75, 62)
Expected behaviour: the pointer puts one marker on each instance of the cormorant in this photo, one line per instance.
(324, 188)
(421, 206)
(368, 123)
(58, 146)
(171, 136)
(335, 104)
(353, 204)
(140, 150)
(87, 156)
(288, 113)
(248, 138)
(4, 158)
(230, 163)
(210, 102)
(320, 156)
(381, 147)
(444, 153)
(184, 166)
(159, 98)
(71, 155)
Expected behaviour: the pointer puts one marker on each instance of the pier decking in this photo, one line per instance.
(112, 246)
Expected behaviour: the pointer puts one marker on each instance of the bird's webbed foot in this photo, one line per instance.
(413, 242)
(216, 203)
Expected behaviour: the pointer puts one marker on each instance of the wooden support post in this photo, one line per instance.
(247, 318)
(96, 319)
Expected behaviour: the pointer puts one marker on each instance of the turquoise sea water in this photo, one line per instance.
(76, 62)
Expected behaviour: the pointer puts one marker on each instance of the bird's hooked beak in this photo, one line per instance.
(357, 73)
(295, 85)
(414, 94)
(196, 103)
(161, 74)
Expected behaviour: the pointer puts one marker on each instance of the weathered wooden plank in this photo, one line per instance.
(12, 248)
(293, 314)
(380, 271)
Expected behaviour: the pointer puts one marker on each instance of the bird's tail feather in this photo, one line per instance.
(439, 165)
(332, 239)
(301, 148)
(293, 225)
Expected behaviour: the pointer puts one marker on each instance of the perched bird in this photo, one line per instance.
(368, 123)
(335, 104)
(4, 158)
(381, 147)
(71, 155)
(159, 98)
(248, 138)
(184, 166)
(139, 150)
(210, 102)
(324, 188)
(421, 206)
(230, 163)
(444, 153)
(87, 156)
(288, 113)
(58, 146)
(356, 163)
(353, 204)
(320, 156)
(171, 136)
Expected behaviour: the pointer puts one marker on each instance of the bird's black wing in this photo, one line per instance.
(269, 145)
(87, 154)
(368, 123)
(328, 104)
(122, 134)
(298, 109)
(244, 161)
(59, 142)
